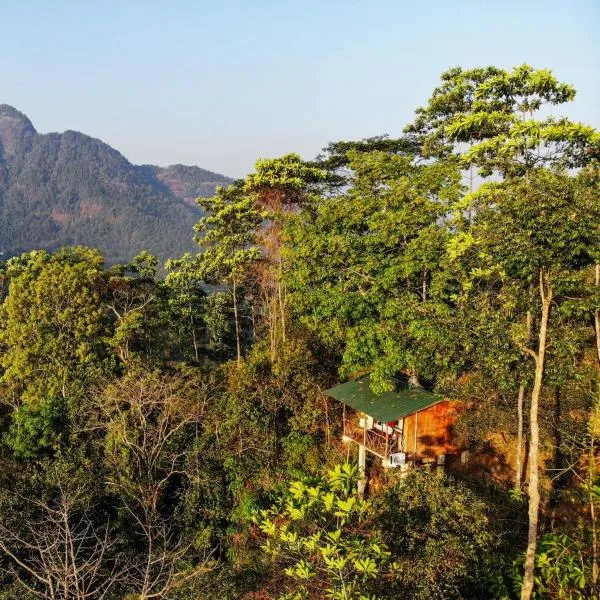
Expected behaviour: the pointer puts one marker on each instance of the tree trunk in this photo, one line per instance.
(519, 460)
(281, 296)
(272, 319)
(195, 342)
(591, 477)
(521, 398)
(592, 460)
(597, 315)
(534, 488)
(519, 465)
(237, 324)
(253, 321)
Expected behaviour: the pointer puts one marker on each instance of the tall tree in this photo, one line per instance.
(488, 117)
(281, 186)
(227, 236)
(51, 335)
(493, 118)
(364, 266)
(149, 423)
(186, 300)
(135, 297)
(541, 232)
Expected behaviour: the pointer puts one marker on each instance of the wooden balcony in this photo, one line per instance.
(376, 441)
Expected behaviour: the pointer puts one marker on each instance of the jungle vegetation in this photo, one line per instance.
(164, 432)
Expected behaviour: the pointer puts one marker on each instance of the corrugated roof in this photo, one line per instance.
(385, 407)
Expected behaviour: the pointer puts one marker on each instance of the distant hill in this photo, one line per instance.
(189, 183)
(61, 189)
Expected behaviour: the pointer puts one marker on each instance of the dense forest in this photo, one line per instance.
(65, 189)
(165, 432)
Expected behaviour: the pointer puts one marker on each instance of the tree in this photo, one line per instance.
(314, 533)
(51, 335)
(486, 115)
(186, 299)
(422, 536)
(149, 422)
(335, 157)
(444, 536)
(136, 298)
(378, 313)
(541, 232)
(283, 183)
(492, 112)
(55, 546)
(281, 186)
(226, 235)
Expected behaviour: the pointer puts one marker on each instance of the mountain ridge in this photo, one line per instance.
(69, 188)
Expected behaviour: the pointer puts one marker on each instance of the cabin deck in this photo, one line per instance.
(377, 442)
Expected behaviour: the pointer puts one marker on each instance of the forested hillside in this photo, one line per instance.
(173, 437)
(189, 183)
(68, 189)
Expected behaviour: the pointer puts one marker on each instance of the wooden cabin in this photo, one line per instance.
(407, 426)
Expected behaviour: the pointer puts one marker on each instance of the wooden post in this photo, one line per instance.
(441, 461)
(416, 429)
(387, 443)
(400, 432)
(362, 464)
(403, 447)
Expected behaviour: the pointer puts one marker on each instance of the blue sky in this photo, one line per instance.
(221, 83)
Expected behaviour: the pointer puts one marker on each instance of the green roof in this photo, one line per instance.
(389, 406)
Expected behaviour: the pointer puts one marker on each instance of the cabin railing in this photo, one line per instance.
(378, 442)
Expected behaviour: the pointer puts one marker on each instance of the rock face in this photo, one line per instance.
(67, 188)
(16, 131)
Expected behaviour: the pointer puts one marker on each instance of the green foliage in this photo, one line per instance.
(38, 427)
(288, 177)
(518, 229)
(183, 474)
(335, 157)
(561, 572)
(545, 222)
(218, 321)
(226, 234)
(51, 335)
(186, 304)
(492, 110)
(441, 536)
(378, 312)
(136, 299)
(314, 532)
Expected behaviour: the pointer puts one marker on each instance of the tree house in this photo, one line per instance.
(407, 426)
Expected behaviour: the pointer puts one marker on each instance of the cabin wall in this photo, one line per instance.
(434, 431)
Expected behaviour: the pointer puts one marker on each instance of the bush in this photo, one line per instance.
(439, 532)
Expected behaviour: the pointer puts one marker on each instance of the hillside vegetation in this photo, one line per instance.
(162, 442)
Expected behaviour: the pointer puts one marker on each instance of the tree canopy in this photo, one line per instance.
(164, 431)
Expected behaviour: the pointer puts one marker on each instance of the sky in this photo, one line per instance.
(219, 84)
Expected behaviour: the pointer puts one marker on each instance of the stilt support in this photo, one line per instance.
(362, 465)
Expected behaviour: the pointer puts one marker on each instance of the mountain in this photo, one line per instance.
(61, 189)
(189, 183)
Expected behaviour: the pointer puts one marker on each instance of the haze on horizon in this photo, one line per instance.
(219, 85)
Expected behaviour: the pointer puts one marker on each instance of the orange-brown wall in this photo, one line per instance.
(434, 430)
